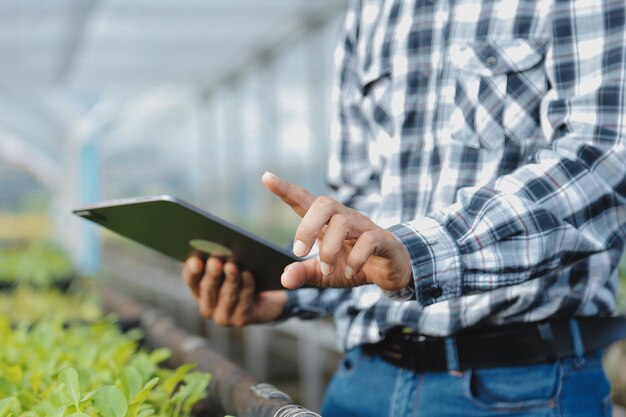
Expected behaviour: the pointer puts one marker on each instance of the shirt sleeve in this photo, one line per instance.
(351, 175)
(312, 303)
(562, 207)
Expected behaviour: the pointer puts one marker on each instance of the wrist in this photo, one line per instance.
(271, 305)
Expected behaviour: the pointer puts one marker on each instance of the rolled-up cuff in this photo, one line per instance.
(302, 303)
(435, 261)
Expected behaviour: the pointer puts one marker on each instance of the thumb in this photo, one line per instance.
(303, 273)
(296, 197)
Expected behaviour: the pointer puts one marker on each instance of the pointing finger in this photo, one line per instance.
(296, 197)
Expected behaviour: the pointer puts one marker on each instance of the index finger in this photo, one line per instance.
(296, 197)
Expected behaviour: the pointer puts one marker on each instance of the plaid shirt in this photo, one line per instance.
(489, 138)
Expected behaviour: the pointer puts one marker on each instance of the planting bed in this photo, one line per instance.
(231, 391)
(75, 362)
(60, 356)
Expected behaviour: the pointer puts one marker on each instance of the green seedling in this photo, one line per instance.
(52, 369)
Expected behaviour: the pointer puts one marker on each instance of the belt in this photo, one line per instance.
(502, 346)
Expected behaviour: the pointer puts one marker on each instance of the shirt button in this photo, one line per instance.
(491, 61)
(435, 292)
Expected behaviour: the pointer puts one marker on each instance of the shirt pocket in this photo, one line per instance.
(498, 91)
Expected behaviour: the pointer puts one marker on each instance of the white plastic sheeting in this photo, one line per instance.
(91, 43)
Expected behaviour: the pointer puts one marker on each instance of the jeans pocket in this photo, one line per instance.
(514, 389)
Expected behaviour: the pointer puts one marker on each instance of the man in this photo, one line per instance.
(479, 175)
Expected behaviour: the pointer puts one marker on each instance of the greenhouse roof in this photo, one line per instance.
(68, 67)
(90, 44)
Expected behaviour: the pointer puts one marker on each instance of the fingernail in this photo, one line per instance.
(268, 175)
(212, 268)
(349, 272)
(299, 248)
(194, 267)
(325, 268)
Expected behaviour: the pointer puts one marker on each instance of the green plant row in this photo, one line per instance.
(51, 369)
(41, 264)
(27, 304)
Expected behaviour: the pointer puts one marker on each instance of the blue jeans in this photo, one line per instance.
(367, 386)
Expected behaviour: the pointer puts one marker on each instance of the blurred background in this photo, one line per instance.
(106, 99)
(112, 99)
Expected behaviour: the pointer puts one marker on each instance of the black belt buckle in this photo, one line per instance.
(415, 351)
(403, 349)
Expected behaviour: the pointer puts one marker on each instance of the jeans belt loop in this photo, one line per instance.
(549, 342)
(452, 356)
(577, 343)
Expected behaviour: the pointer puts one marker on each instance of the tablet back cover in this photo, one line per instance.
(178, 230)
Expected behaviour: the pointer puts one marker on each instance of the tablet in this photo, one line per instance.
(177, 229)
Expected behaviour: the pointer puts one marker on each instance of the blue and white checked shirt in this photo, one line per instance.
(489, 137)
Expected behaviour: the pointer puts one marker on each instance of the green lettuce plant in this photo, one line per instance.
(40, 264)
(30, 305)
(89, 370)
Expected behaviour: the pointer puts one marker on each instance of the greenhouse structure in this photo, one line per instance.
(104, 100)
(114, 99)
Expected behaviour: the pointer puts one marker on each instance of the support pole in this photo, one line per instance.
(89, 189)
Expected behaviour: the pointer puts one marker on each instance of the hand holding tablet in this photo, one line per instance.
(353, 250)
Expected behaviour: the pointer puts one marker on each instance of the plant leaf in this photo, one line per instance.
(159, 355)
(69, 377)
(87, 396)
(110, 402)
(171, 382)
(142, 363)
(194, 390)
(133, 410)
(146, 389)
(5, 405)
(79, 414)
(146, 412)
(57, 412)
(131, 382)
